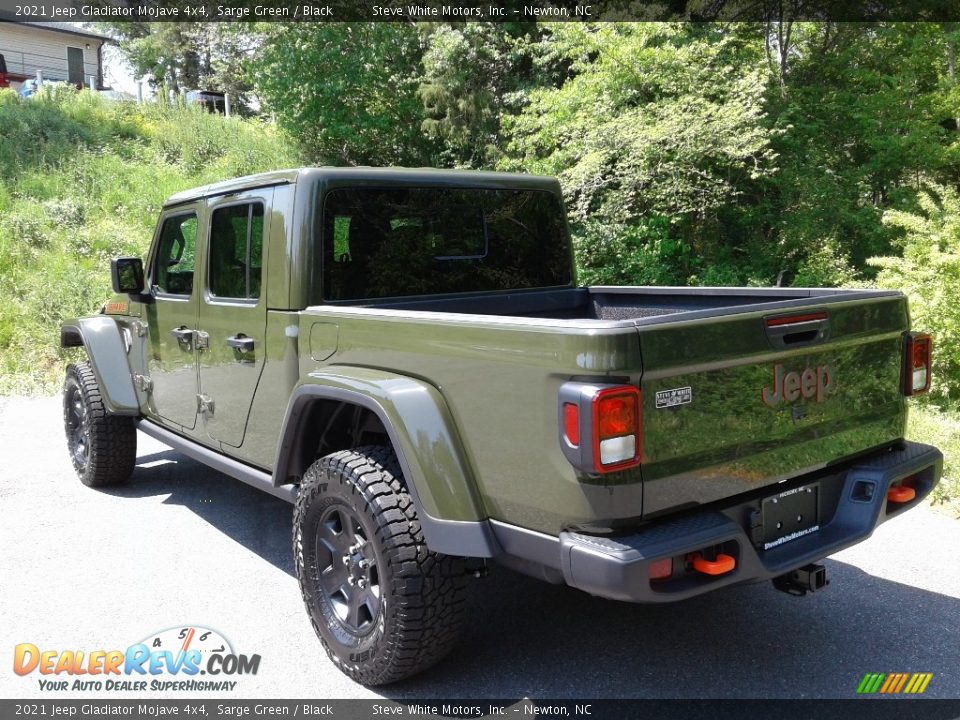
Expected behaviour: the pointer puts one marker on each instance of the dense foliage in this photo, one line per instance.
(929, 271)
(658, 142)
(181, 56)
(723, 154)
(797, 154)
(81, 181)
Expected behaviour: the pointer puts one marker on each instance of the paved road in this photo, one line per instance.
(180, 544)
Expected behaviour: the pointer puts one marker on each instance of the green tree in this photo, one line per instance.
(183, 56)
(657, 134)
(348, 91)
(470, 79)
(929, 273)
(857, 127)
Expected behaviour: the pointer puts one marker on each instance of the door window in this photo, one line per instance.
(176, 255)
(236, 251)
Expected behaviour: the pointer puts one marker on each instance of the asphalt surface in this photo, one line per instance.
(183, 545)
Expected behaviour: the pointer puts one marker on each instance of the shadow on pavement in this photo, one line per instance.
(256, 520)
(525, 638)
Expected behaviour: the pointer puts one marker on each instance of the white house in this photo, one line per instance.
(58, 50)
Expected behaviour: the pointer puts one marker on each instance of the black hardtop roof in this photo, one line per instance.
(369, 176)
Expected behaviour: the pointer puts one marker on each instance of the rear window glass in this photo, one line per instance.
(397, 242)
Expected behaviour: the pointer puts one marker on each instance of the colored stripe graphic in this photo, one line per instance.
(894, 683)
(891, 681)
(920, 684)
(870, 683)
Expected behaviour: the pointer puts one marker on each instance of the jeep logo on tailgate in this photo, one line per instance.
(809, 383)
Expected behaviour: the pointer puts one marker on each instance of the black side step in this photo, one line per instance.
(234, 468)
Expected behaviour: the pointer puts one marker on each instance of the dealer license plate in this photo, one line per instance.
(791, 515)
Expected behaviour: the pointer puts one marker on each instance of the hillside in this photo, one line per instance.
(82, 180)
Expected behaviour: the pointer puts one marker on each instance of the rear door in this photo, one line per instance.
(172, 317)
(233, 312)
(736, 403)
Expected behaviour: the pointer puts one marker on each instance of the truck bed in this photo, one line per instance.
(722, 353)
(639, 305)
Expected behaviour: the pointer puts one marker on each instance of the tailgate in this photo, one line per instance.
(735, 403)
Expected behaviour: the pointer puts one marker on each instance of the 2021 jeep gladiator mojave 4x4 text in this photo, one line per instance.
(406, 357)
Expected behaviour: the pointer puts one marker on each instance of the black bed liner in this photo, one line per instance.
(642, 305)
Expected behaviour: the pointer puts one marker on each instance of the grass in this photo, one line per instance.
(82, 180)
(942, 429)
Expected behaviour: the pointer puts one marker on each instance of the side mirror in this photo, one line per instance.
(127, 275)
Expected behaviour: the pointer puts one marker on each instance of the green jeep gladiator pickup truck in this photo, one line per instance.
(406, 357)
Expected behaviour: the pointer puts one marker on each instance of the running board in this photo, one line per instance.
(257, 478)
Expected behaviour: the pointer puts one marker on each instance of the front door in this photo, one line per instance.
(233, 312)
(172, 319)
(75, 66)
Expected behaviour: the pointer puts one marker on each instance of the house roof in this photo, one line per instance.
(59, 27)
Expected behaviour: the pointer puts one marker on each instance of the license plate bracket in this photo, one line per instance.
(790, 515)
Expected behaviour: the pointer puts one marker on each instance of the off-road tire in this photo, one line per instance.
(103, 447)
(421, 593)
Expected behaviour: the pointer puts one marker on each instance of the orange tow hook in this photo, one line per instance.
(723, 564)
(901, 494)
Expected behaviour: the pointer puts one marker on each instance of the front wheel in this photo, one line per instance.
(384, 606)
(103, 447)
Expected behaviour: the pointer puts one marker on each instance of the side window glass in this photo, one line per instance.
(176, 255)
(341, 238)
(236, 251)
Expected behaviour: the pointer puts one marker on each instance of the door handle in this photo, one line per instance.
(241, 342)
(182, 334)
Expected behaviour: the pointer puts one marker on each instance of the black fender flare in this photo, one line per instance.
(423, 435)
(108, 352)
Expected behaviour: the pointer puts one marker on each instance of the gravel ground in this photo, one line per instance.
(183, 545)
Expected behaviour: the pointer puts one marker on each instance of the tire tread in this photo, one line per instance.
(113, 438)
(426, 588)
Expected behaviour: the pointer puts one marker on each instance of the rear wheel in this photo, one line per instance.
(384, 606)
(103, 447)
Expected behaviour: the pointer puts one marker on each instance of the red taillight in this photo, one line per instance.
(571, 424)
(616, 428)
(600, 426)
(616, 415)
(918, 349)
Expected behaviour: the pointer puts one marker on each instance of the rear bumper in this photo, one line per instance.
(855, 503)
